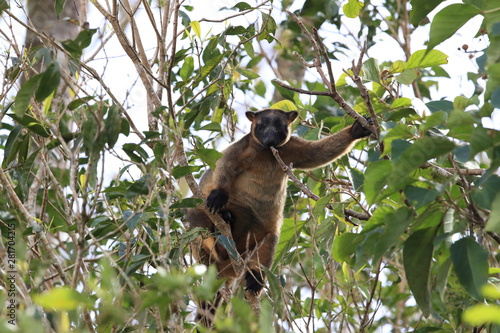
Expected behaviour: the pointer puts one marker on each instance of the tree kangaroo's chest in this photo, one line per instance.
(261, 187)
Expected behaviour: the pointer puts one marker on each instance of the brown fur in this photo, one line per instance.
(255, 185)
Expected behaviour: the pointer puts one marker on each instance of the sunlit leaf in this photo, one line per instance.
(422, 59)
(61, 299)
(480, 314)
(352, 8)
(491, 291)
(187, 68)
(195, 25)
(284, 105)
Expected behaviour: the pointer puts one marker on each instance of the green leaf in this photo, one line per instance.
(3, 6)
(23, 97)
(397, 66)
(493, 223)
(139, 187)
(59, 6)
(214, 126)
(182, 171)
(480, 314)
(491, 291)
(407, 76)
(420, 196)
(376, 179)
(131, 218)
(357, 179)
(447, 21)
(195, 25)
(49, 82)
(395, 223)
(424, 58)
(228, 244)
(289, 231)
(208, 67)
(187, 68)
(284, 105)
(486, 190)
(442, 105)
(419, 153)
(352, 8)
(371, 70)
(187, 203)
(435, 119)
(417, 258)
(345, 245)
(470, 261)
(135, 152)
(209, 156)
(62, 299)
(320, 205)
(73, 105)
(75, 47)
(233, 31)
(421, 8)
(482, 139)
(247, 73)
(242, 6)
(11, 149)
(112, 125)
(403, 102)
(32, 124)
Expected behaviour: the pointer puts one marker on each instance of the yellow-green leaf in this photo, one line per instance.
(284, 105)
(480, 314)
(397, 66)
(421, 59)
(352, 8)
(61, 298)
(195, 25)
(491, 291)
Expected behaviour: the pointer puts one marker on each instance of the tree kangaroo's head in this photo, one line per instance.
(271, 127)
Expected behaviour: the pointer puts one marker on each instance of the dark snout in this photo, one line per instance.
(270, 138)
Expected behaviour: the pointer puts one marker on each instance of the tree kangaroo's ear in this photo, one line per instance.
(292, 115)
(250, 115)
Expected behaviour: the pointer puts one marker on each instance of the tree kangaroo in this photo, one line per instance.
(248, 189)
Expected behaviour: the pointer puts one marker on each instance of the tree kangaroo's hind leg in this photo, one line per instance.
(263, 256)
(206, 250)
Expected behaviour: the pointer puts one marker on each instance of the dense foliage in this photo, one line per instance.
(401, 235)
